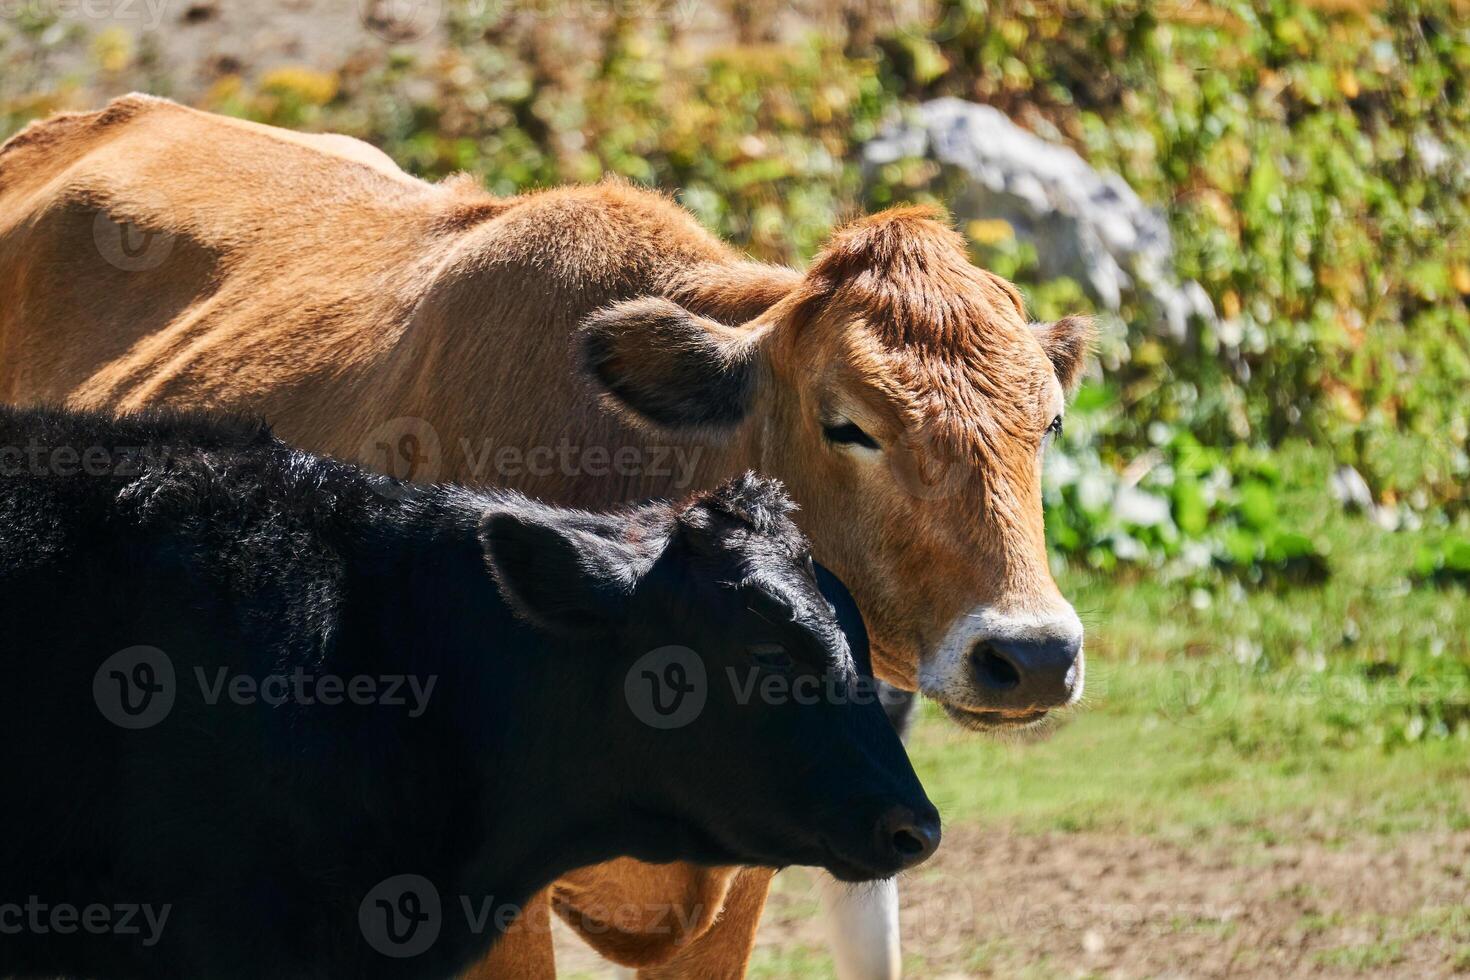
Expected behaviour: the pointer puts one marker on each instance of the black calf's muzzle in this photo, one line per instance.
(908, 838)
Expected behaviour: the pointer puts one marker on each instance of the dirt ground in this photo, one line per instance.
(1096, 905)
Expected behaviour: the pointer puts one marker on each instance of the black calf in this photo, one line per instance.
(263, 714)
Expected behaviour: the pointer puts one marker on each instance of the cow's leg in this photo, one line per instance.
(723, 951)
(641, 915)
(861, 921)
(525, 952)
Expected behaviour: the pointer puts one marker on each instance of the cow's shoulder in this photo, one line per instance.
(333, 146)
(584, 241)
(607, 212)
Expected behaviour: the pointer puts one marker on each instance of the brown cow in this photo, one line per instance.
(153, 254)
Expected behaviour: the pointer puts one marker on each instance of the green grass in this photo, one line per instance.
(1345, 705)
(790, 961)
(1126, 769)
(1363, 957)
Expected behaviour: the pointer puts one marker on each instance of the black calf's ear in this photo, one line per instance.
(557, 577)
(848, 617)
(665, 367)
(1067, 342)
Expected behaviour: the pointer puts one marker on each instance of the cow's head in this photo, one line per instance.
(710, 654)
(903, 397)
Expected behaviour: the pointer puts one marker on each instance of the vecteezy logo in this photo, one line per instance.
(944, 930)
(128, 246)
(404, 448)
(134, 688)
(667, 687)
(1193, 692)
(401, 916)
(956, 19)
(398, 21)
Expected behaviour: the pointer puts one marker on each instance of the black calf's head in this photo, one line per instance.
(738, 691)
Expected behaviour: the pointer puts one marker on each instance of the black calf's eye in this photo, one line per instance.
(849, 434)
(771, 656)
(768, 607)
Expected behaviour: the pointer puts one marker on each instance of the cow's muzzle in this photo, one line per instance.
(1004, 670)
(1028, 675)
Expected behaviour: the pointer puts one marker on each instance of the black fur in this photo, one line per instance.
(264, 827)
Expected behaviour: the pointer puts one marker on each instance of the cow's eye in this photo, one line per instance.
(771, 656)
(848, 434)
(811, 567)
(1054, 431)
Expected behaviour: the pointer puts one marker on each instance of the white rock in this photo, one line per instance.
(1141, 508)
(1086, 225)
(1351, 490)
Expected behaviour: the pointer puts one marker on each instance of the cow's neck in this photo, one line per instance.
(524, 418)
(516, 707)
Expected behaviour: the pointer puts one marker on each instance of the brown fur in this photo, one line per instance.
(308, 279)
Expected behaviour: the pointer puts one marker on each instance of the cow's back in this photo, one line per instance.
(163, 256)
(159, 254)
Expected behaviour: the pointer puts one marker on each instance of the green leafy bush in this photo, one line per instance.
(1445, 562)
(1311, 159)
(1180, 505)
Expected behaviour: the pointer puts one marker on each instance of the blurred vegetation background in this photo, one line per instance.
(1274, 504)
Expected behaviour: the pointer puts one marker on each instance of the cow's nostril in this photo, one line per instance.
(906, 838)
(908, 844)
(993, 670)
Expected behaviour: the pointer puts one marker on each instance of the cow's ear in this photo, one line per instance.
(661, 366)
(555, 575)
(1067, 342)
